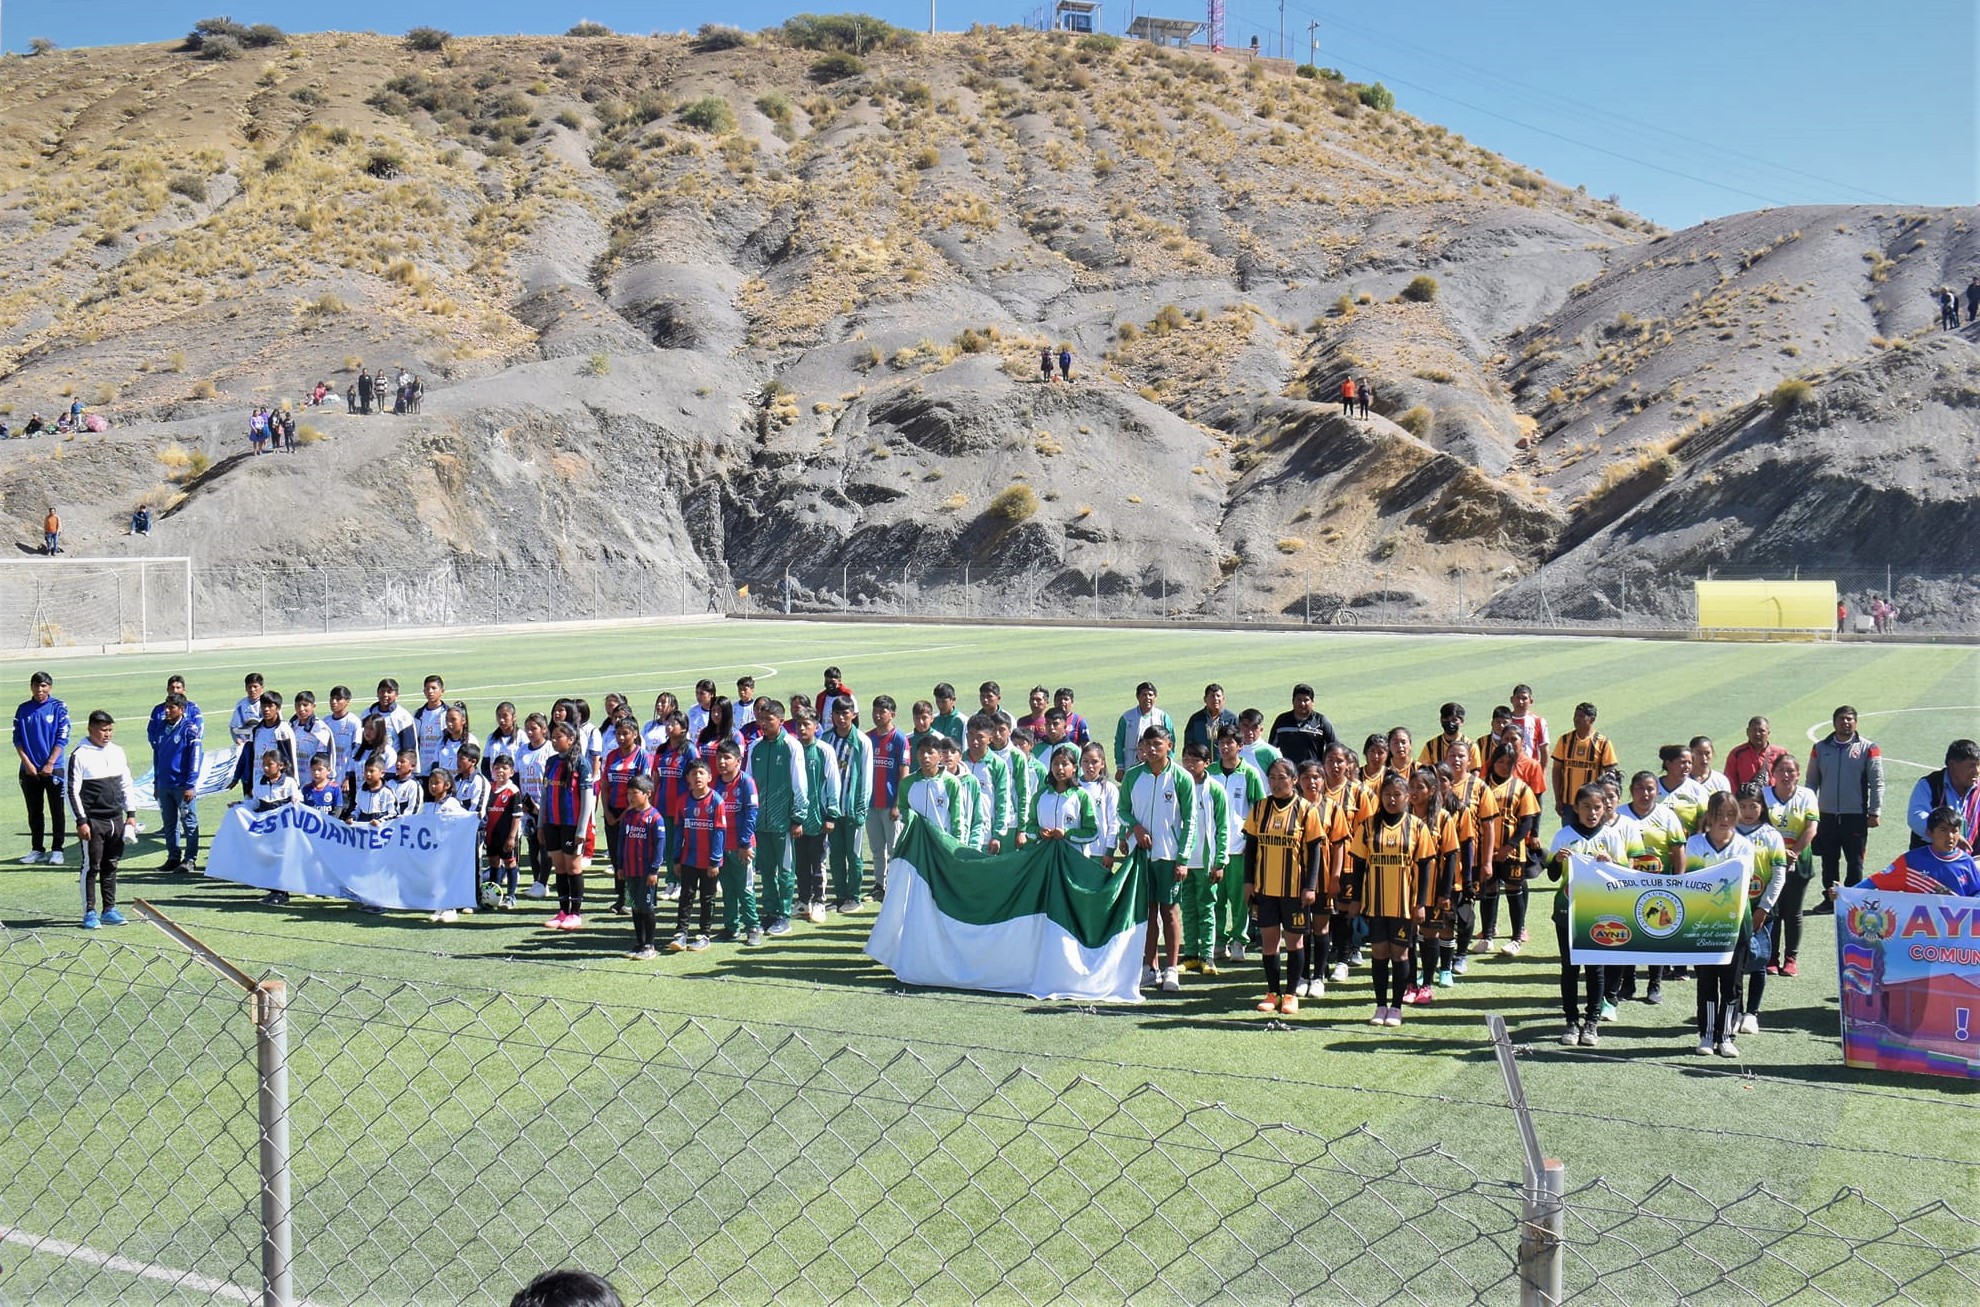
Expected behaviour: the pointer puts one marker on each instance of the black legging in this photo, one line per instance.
(1587, 988)
(696, 883)
(38, 788)
(1786, 925)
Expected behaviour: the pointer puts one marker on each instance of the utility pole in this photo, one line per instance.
(1313, 44)
(1282, 29)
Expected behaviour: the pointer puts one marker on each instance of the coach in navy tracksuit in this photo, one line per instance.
(41, 738)
(176, 755)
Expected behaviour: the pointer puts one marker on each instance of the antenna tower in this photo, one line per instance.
(1216, 24)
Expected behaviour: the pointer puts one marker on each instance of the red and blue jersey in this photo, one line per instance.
(616, 772)
(1923, 871)
(327, 797)
(670, 778)
(890, 765)
(738, 810)
(701, 825)
(566, 776)
(642, 842)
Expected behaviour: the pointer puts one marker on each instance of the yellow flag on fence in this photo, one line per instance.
(743, 590)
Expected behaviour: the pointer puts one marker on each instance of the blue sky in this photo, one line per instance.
(1684, 109)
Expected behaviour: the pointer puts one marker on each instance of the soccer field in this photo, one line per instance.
(478, 1101)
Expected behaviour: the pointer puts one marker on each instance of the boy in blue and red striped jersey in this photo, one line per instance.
(670, 764)
(509, 810)
(702, 836)
(737, 790)
(626, 759)
(891, 769)
(641, 840)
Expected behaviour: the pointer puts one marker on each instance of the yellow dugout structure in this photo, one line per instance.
(1798, 606)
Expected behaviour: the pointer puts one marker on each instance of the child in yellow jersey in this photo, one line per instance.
(1355, 798)
(1469, 798)
(1649, 831)
(1763, 892)
(1514, 846)
(1718, 841)
(1588, 834)
(1676, 788)
(1791, 810)
(1436, 750)
(1282, 878)
(1579, 757)
(1330, 855)
(1392, 861)
(1426, 803)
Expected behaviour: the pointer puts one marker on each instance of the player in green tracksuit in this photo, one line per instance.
(934, 794)
(1208, 858)
(773, 765)
(1061, 810)
(1158, 816)
(854, 754)
(814, 815)
(1244, 785)
(991, 773)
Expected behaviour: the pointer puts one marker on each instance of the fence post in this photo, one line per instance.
(1096, 594)
(845, 588)
(271, 1046)
(1543, 1204)
(594, 593)
(264, 605)
(966, 594)
(326, 600)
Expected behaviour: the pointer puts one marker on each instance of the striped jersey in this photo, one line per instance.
(738, 812)
(616, 773)
(1792, 815)
(890, 765)
(670, 778)
(702, 829)
(1391, 856)
(566, 776)
(642, 842)
(1581, 761)
(1284, 834)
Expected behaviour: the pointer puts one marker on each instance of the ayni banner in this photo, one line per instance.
(1909, 967)
(1617, 917)
(424, 861)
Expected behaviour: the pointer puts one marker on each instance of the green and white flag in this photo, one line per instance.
(1045, 920)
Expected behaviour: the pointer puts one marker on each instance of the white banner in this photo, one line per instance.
(216, 773)
(425, 861)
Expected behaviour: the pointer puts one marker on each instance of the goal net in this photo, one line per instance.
(48, 603)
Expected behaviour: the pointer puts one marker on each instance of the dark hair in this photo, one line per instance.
(1718, 803)
(943, 690)
(1212, 688)
(1226, 733)
(1962, 751)
(256, 678)
(1701, 741)
(1669, 752)
(1148, 686)
(1586, 709)
(101, 718)
(772, 706)
(176, 699)
(1753, 792)
(1063, 692)
(745, 682)
(1942, 816)
(305, 697)
(387, 684)
(728, 749)
(1451, 709)
(979, 721)
(435, 679)
(340, 692)
(696, 765)
(1589, 789)
(567, 1288)
(1200, 752)
(271, 699)
(642, 782)
(1523, 688)
(1251, 717)
(884, 703)
(1302, 689)
(705, 684)
(1644, 775)
(990, 687)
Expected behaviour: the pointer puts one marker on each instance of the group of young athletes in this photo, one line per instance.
(1405, 858)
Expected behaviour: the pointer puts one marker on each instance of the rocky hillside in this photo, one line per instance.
(728, 305)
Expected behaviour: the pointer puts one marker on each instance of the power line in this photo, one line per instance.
(1493, 76)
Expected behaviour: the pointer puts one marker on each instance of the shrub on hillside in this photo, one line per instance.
(1422, 288)
(837, 67)
(845, 33)
(774, 105)
(206, 29)
(1417, 421)
(1791, 394)
(1308, 71)
(1014, 504)
(710, 114)
(719, 36)
(40, 45)
(262, 35)
(190, 185)
(220, 48)
(1098, 43)
(428, 39)
(1377, 97)
(585, 27)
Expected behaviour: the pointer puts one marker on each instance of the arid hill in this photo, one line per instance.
(723, 306)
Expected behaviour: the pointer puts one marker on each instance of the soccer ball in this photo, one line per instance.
(491, 894)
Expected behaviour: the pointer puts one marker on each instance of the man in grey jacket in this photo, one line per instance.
(1846, 772)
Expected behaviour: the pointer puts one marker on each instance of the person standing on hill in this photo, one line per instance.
(51, 533)
(364, 393)
(1347, 397)
(1973, 300)
(1948, 308)
(1065, 364)
(1364, 395)
(1045, 364)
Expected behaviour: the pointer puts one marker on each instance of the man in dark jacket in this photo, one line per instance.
(176, 754)
(1846, 772)
(1301, 735)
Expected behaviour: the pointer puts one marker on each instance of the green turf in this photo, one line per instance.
(813, 1131)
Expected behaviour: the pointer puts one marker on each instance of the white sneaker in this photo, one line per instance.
(34, 856)
(1481, 946)
(1171, 982)
(447, 917)
(1749, 1024)
(817, 914)
(1235, 953)
(1571, 1037)
(1704, 1048)
(537, 891)
(56, 859)
(1318, 989)
(1302, 989)
(1339, 974)
(1728, 1049)
(1511, 948)
(1150, 977)
(434, 918)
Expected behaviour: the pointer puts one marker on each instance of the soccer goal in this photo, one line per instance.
(48, 603)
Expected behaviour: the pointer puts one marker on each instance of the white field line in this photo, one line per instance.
(766, 670)
(76, 1252)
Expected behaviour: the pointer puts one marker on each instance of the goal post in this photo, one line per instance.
(1802, 607)
(63, 602)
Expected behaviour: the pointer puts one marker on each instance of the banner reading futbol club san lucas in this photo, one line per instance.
(424, 861)
(1617, 917)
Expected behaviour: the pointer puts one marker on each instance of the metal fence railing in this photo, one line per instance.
(110, 602)
(176, 1133)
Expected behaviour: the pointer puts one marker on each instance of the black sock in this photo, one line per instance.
(1398, 982)
(1379, 971)
(1272, 971)
(1296, 964)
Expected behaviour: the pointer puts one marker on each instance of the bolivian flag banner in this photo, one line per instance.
(1045, 920)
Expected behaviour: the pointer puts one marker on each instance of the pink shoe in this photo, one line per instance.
(1424, 995)
(1410, 994)
(572, 922)
(1524, 937)
(556, 922)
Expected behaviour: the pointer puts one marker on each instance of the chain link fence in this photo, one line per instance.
(443, 1145)
(90, 602)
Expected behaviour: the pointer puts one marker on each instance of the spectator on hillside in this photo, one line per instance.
(35, 426)
(379, 388)
(316, 396)
(1948, 307)
(75, 405)
(1347, 397)
(1364, 395)
(1973, 300)
(1045, 364)
(363, 393)
(51, 533)
(1065, 364)
(258, 429)
(351, 399)
(141, 521)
